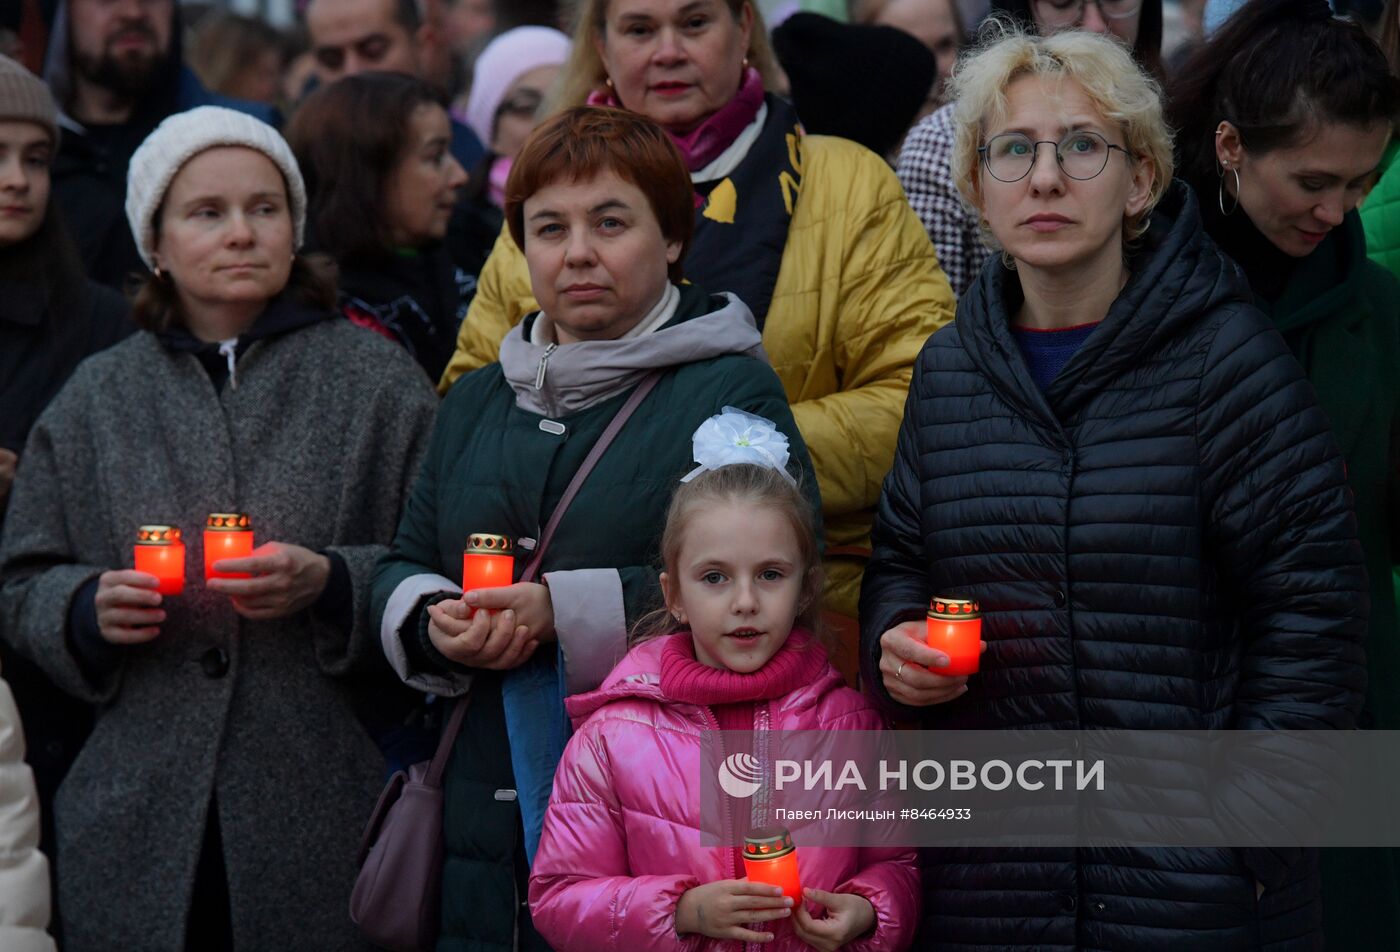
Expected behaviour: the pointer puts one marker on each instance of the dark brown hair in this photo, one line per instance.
(583, 142)
(1274, 70)
(348, 138)
(741, 483)
(156, 306)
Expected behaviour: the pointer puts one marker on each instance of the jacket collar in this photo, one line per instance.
(638, 676)
(1177, 276)
(1324, 282)
(556, 380)
(282, 315)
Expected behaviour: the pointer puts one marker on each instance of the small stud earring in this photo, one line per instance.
(607, 80)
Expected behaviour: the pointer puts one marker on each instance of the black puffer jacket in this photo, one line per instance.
(1164, 539)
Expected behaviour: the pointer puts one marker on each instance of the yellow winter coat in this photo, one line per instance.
(859, 290)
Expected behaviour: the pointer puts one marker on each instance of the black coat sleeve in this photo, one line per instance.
(1283, 533)
(896, 585)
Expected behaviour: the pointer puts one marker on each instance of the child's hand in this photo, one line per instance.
(720, 909)
(848, 916)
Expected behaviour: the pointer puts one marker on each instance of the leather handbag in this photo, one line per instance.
(398, 889)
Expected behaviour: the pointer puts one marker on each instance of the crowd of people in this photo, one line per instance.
(744, 357)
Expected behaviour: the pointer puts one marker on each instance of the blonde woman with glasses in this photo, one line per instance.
(1116, 454)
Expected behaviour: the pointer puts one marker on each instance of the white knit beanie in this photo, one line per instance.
(508, 57)
(183, 136)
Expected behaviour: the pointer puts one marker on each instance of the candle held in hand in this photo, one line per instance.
(955, 628)
(161, 552)
(770, 857)
(487, 562)
(227, 535)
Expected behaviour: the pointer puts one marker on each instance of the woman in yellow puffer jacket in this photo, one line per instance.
(813, 233)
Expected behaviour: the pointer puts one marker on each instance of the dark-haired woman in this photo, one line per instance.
(1283, 118)
(925, 161)
(51, 317)
(382, 184)
(219, 800)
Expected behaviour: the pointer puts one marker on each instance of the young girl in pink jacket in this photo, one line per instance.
(620, 865)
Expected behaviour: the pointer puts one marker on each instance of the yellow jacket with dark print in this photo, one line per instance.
(858, 292)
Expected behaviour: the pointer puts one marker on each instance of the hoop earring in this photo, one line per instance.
(1220, 197)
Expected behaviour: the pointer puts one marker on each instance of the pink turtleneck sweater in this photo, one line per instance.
(731, 696)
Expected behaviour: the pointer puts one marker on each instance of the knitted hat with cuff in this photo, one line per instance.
(24, 97)
(180, 138)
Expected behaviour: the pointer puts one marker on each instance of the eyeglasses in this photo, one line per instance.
(1082, 155)
(1063, 13)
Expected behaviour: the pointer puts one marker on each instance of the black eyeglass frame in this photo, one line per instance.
(1035, 144)
(1079, 18)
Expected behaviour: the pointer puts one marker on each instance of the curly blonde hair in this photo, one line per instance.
(1123, 92)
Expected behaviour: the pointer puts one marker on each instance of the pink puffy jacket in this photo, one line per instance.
(622, 836)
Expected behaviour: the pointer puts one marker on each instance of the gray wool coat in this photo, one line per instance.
(319, 442)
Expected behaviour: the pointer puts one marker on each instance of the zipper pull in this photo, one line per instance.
(544, 362)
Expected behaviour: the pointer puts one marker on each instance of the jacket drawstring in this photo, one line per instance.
(229, 348)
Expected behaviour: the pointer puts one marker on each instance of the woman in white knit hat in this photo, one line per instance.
(219, 800)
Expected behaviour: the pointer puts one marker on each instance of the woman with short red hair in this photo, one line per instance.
(601, 204)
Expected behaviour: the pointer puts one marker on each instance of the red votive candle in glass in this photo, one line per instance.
(227, 535)
(161, 552)
(770, 857)
(955, 628)
(487, 562)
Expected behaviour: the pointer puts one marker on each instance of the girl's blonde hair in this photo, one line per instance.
(584, 72)
(740, 483)
(1121, 90)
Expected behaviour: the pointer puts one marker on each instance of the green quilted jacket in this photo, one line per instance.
(1380, 214)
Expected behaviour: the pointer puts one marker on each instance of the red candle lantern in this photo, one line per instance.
(227, 535)
(955, 628)
(770, 857)
(488, 562)
(161, 552)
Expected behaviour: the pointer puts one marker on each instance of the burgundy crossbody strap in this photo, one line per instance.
(619, 420)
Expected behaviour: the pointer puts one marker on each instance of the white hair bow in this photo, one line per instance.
(734, 436)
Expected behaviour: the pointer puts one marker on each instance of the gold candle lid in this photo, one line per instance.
(228, 522)
(768, 842)
(952, 609)
(157, 535)
(481, 543)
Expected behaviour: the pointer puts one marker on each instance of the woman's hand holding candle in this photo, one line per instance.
(285, 580)
(530, 601)
(904, 662)
(484, 639)
(128, 607)
(848, 917)
(722, 909)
